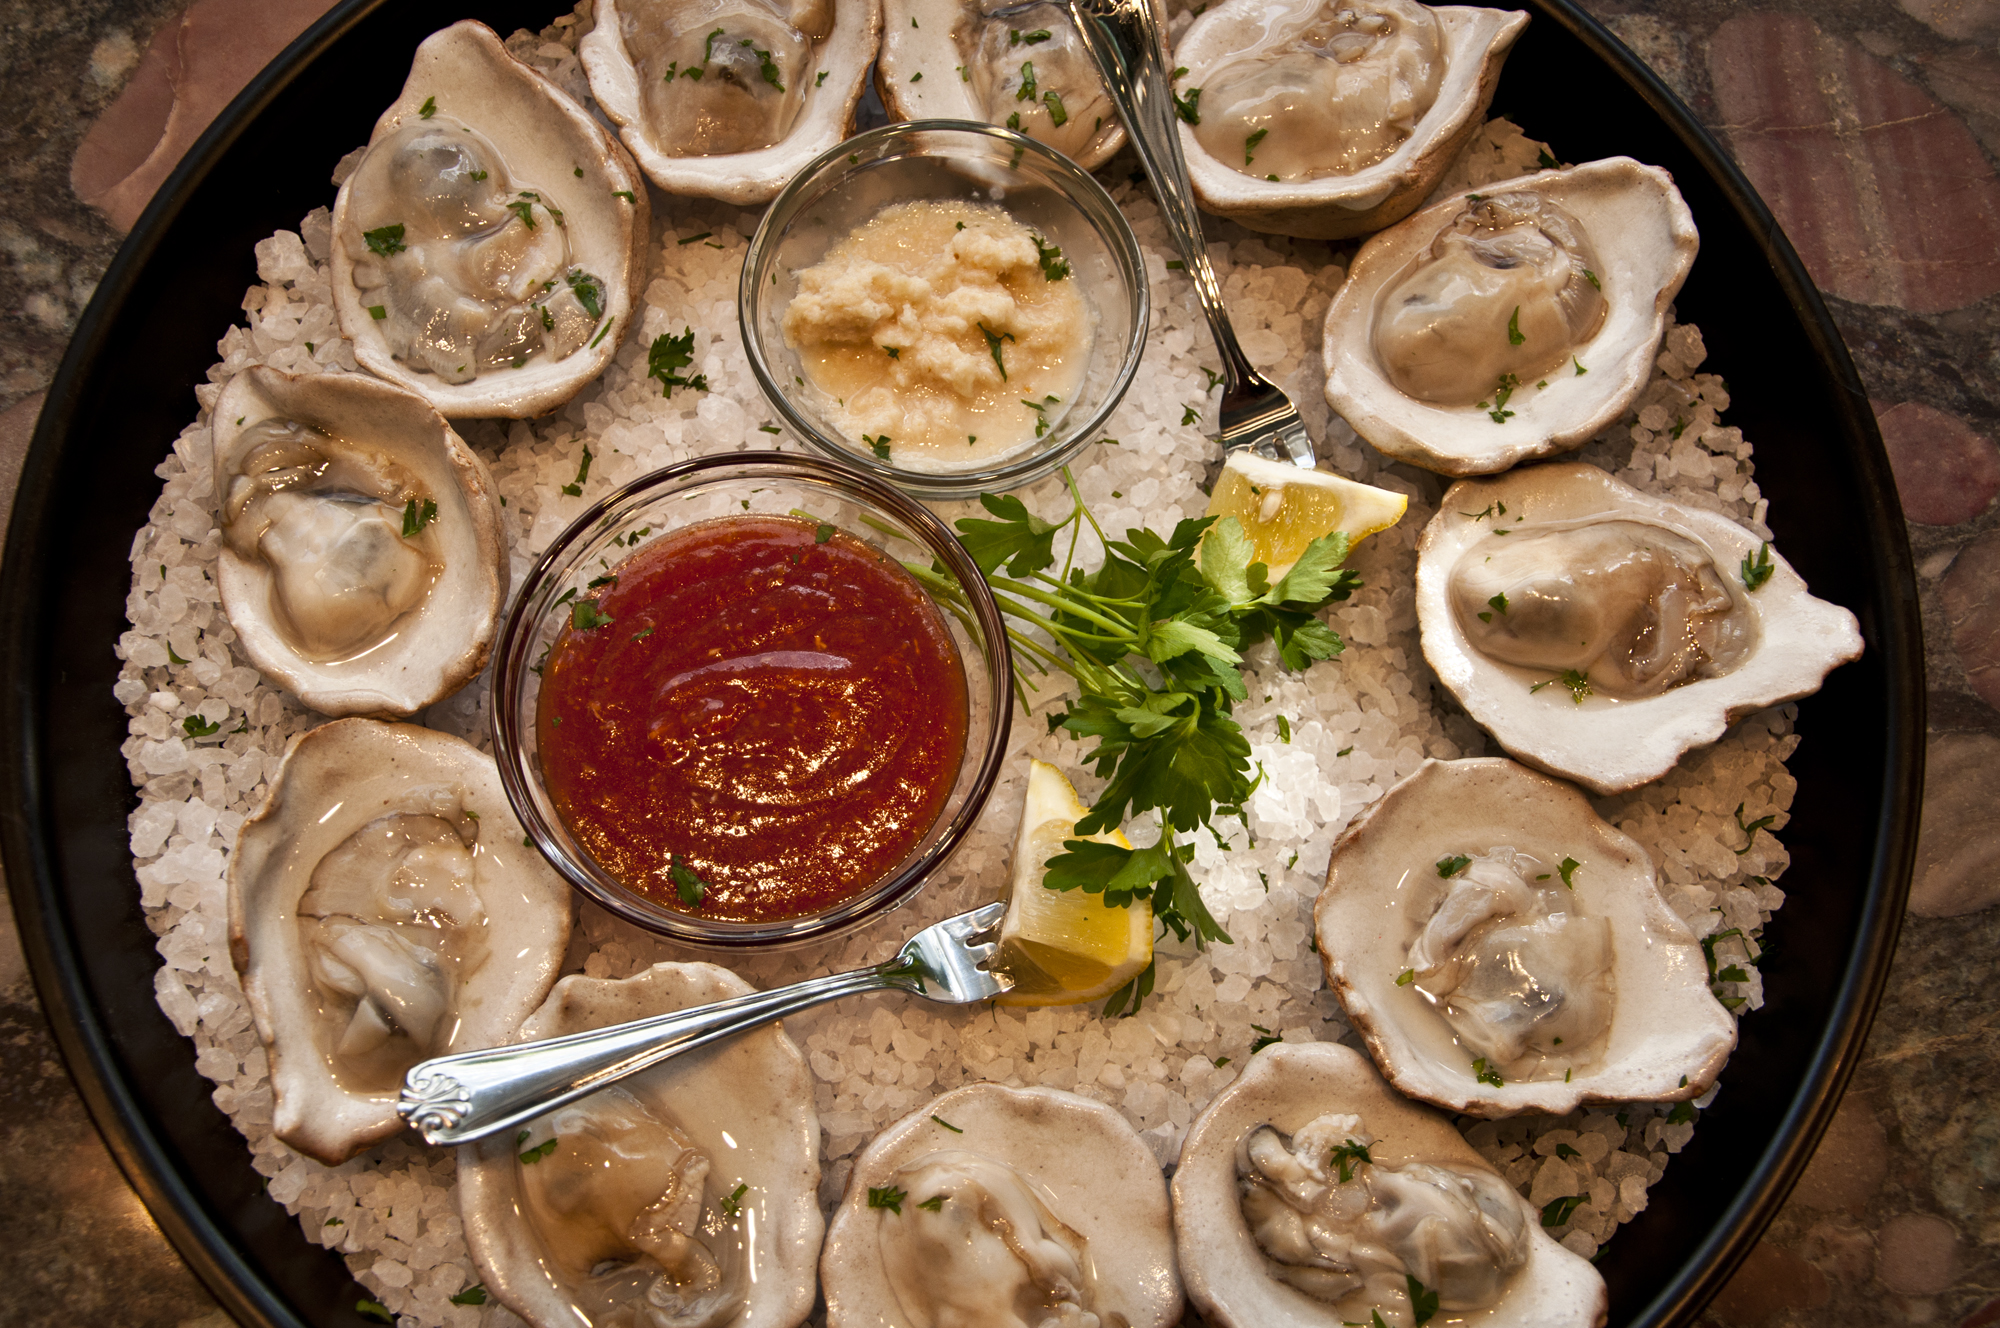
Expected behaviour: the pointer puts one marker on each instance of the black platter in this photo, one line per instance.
(124, 392)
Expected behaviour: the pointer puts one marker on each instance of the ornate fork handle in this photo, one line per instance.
(457, 1099)
(1123, 39)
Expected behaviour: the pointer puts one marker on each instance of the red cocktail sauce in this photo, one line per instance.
(773, 704)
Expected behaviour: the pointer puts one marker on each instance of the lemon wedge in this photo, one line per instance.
(1064, 947)
(1283, 507)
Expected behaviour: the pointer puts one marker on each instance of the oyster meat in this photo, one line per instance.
(1308, 1193)
(382, 911)
(486, 246)
(1332, 118)
(730, 98)
(1003, 1206)
(362, 565)
(1500, 948)
(1497, 327)
(1022, 66)
(1599, 633)
(683, 1197)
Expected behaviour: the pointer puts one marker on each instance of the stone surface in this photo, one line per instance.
(1946, 472)
(1772, 1281)
(1973, 20)
(1916, 1254)
(1971, 597)
(1851, 1160)
(1884, 192)
(1958, 853)
(1967, 79)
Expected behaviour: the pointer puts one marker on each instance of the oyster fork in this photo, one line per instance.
(1123, 39)
(457, 1099)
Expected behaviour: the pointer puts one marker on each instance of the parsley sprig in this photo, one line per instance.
(1153, 640)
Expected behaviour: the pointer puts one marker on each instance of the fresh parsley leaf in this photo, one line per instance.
(887, 1196)
(1020, 539)
(1406, 977)
(1187, 105)
(1058, 113)
(1756, 571)
(1682, 1114)
(878, 444)
(1267, 1039)
(823, 532)
(385, 240)
(947, 1124)
(575, 488)
(1250, 144)
(1750, 830)
(1452, 866)
(538, 1152)
(1545, 161)
(1028, 89)
(1567, 867)
(1514, 334)
(1284, 729)
(1592, 278)
(428, 109)
(472, 1295)
(589, 291)
(585, 615)
(1054, 266)
(993, 340)
(1486, 1074)
(418, 514)
(524, 208)
(375, 1309)
(934, 1204)
(670, 354)
(1577, 681)
(689, 886)
(1565, 1152)
(1558, 1211)
(732, 1202)
(197, 727)
(377, 312)
(1423, 1301)
(1345, 1156)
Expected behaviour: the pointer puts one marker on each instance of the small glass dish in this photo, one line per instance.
(692, 492)
(948, 159)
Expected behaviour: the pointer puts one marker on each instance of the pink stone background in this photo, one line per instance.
(1871, 127)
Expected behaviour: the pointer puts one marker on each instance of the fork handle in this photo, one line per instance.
(457, 1099)
(1126, 42)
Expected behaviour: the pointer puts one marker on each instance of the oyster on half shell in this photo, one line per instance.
(487, 247)
(1026, 69)
(1500, 949)
(685, 1196)
(730, 98)
(999, 1206)
(1511, 323)
(362, 564)
(1332, 118)
(1307, 1193)
(1599, 633)
(383, 910)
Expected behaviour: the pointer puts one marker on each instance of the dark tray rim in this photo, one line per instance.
(220, 1259)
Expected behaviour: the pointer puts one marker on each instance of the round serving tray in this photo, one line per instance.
(124, 392)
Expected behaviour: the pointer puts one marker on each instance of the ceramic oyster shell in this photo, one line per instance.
(1473, 45)
(366, 621)
(745, 1107)
(573, 207)
(1091, 1173)
(830, 77)
(1287, 1086)
(1604, 743)
(952, 59)
(492, 917)
(1666, 1036)
(1644, 241)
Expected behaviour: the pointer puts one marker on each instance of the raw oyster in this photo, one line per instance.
(1027, 70)
(487, 246)
(1599, 633)
(362, 564)
(1332, 118)
(994, 1205)
(1308, 1193)
(367, 900)
(683, 1197)
(1500, 949)
(1515, 323)
(730, 98)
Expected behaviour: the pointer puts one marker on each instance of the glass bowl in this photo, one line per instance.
(769, 483)
(948, 159)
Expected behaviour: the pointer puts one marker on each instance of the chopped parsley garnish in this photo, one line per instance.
(197, 727)
(589, 291)
(575, 489)
(1213, 377)
(1284, 729)
(1682, 1114)
(428, 109)
(377, 312)
(669, 355)
(993, 340)
(1756, 571)
(822, 533)
(894, 352)
(689, 886)
(1514, 334)
(1498, 604)
(585, 615)
(1750, 830)
(1486, 1074)
(1545, 161)
(1250, 144)
(1577, 681)
(524, 208)
(417, 515)
(1016, 37)
(1343, 751)
(1453, 865)
(1565, 1152)
(708, 47)
(1345, 1156)
(1267, 1039)
(1187, 106)
(947, 1124)
(934, 1204)
(1190, 414)
(608, 579)
(385, 240)
(1557, 1211)
(917, 77)
(769, 428)
(692, 238)
(1054, 266)
(1501, 391)
(732, 1202)
(820, 82)
(533, 1155)
(641, 634)
(878, 444)
(472, 1295)
(1028, 89)
(1680, 427)
(602, 332)
(1733, 973)
(1580, 370)
(1406, 977)
(1592, 278)
(887, 1196)
(1567, 869)
(1058, 113)
(375, 1309)
(1014, 120)
(1423, 1301)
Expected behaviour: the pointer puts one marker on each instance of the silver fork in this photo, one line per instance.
(1123, 39)
(457, 1099)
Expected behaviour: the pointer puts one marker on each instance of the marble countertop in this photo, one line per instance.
(1872, 127)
